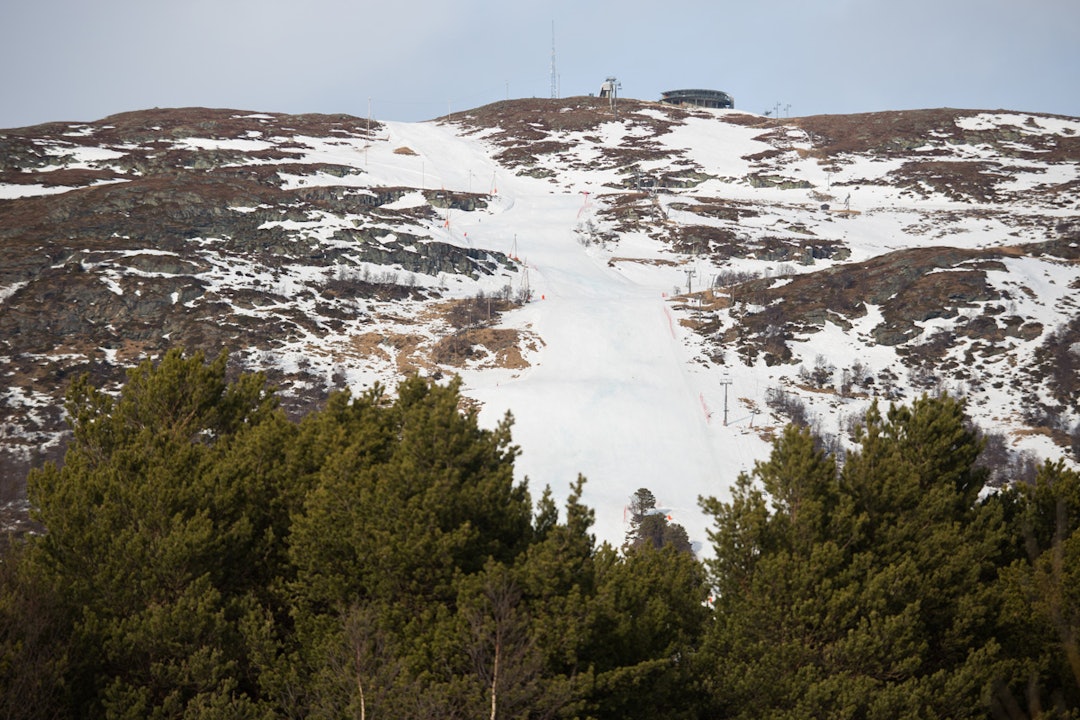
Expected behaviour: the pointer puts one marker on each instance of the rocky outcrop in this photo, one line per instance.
(223, 229)
(190, 240)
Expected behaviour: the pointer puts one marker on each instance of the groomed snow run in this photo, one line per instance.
(612, 393)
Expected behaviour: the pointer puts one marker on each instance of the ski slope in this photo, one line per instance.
(612, 394)
(617, 389)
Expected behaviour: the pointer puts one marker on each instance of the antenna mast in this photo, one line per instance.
(554, 75)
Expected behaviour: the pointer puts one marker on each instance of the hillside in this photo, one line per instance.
(612, 280)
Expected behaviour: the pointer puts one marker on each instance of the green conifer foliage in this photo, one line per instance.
(1041, 609)
(411, 499)
(558, 574)
(864, 592)
(412, 493)
(648, 527)
(203, 556)
(648, 620)
(642, 502)
(33, 642)
(158, 548)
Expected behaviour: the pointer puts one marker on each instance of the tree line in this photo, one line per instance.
(201, 555)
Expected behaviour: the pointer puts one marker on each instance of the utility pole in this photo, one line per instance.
(367, 142)
(726, 381)
(689, 280)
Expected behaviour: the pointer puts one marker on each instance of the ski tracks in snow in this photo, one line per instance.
(611, 394)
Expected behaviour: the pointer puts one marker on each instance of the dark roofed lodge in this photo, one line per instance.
(701, 98)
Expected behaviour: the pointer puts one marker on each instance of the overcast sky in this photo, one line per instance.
(417, 59)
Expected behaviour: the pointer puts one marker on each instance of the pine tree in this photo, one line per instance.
(868, 592)
(1040, 618)
(641, 504)
(33, 642)
(557, 576)
(648, 619)
(409, 499)
(160, 550)
(651, 528)
(772, 569)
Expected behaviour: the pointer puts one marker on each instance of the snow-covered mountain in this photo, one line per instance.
(652, 291)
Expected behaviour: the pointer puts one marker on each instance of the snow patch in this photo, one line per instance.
(6, 292)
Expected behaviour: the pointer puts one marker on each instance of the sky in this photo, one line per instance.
(412, 60)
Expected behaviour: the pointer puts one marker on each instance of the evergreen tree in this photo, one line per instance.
(557, 575)
(641, 504)
(33, 642)
(656, 531)
(868, 592)
(203, 556)
(413, 492)
(1040, 618)
(411, 501)
(648, 619)
(159, 550)
(652, 528)
(772, 568)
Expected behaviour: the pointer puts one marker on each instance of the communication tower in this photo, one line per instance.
(554, 74)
